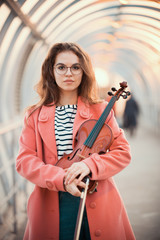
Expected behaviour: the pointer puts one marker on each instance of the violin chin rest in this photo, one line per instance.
(92, 187)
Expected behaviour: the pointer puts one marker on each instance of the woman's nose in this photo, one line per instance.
(68, 71)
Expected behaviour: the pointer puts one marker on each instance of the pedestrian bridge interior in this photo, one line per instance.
(121, 36)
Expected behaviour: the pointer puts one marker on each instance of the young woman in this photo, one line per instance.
(68, 98)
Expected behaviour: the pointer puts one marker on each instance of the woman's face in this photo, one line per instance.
(67, 72)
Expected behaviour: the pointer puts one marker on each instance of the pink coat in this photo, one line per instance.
(105, 209)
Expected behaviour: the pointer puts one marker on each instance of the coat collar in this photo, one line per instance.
(83, 109)
(46, 122)
(46, 126)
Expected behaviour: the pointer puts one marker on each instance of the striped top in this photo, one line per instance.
(64, 119)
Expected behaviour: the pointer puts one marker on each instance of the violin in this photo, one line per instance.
(94, 136)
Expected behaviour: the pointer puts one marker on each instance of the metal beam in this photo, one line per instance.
(16, 8)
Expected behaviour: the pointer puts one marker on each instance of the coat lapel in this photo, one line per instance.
(46, 127)
(83, 114)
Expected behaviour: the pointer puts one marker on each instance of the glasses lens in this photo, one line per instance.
(61, 69)
(76, 69)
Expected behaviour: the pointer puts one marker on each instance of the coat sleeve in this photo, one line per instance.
(31, 166)
(108, 164)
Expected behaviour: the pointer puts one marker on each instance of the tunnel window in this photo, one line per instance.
(6, 43)
(4, 11)
(28, 5)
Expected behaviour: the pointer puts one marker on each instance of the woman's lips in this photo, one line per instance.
(68, 81)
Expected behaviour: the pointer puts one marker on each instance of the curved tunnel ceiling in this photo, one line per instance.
(123, 38)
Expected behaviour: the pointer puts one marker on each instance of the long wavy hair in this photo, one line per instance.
(47, 88)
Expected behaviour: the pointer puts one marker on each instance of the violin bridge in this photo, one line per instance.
(81, 156)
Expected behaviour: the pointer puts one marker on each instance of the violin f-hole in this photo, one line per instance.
(73, 154)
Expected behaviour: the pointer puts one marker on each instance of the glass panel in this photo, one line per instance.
(71, 26)
(53, 13)
(4, 13)
(28, 5)
(142, 19)
(67, 15)
(41, 10)
(8, 37)
(139, 34)
(140, 11)
(13, 64)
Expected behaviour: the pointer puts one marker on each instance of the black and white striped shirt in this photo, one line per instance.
(64, 119)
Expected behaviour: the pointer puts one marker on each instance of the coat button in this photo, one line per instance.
(84, 113)
(92, 205)
(43, 117)
(49, 185)
(98, 233)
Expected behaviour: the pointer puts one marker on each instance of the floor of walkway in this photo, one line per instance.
(139, 186)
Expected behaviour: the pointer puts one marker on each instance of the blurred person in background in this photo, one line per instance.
(130, 116)
(68, 98)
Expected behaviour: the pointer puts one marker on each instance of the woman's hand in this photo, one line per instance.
(72, 188)
(79, 170)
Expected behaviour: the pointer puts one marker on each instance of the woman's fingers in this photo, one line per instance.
(72, 188)
(71, 175)
(81, 184)
(79, 169)
(81, 177)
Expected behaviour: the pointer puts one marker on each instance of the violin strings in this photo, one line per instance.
(92, 136)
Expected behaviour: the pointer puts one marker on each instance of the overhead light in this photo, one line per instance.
(101, 77)
(116, 24)
(124, 1)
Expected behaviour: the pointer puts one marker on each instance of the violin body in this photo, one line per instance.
(81, 151)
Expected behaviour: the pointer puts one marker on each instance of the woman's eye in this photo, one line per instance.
(76, 67)
(61, 67)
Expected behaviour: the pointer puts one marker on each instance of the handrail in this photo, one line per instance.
(8, 164)
(10, 194)
(11, 125)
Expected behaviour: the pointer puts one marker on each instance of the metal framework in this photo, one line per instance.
(123, 37)
(16, 8)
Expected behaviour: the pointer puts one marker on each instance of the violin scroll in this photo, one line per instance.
(120, 92)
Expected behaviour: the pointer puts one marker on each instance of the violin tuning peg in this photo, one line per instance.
(127, 93)
(124, 96)
(110, 93)
(113, 89)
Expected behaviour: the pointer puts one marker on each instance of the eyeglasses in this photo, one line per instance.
(62, 69)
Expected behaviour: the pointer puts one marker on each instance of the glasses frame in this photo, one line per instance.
(75, 64)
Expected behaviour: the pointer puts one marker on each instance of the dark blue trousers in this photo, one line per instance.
(68, 207)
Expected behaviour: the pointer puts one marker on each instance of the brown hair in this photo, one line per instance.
(47, 87)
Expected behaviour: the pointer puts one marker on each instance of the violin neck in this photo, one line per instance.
(99, 124)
